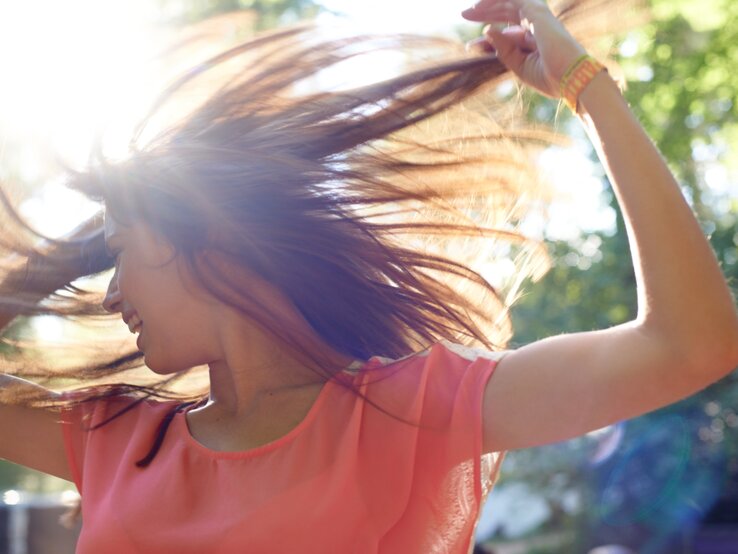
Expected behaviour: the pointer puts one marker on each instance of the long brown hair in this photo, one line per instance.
(375, 210)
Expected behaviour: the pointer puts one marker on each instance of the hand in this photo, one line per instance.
(536, 46)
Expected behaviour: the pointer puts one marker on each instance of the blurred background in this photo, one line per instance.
(663, 483)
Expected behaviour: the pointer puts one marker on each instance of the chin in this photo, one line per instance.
(161, 368)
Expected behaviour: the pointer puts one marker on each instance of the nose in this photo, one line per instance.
(113, 298)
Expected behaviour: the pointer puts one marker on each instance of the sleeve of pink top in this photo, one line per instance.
(438, 475)
(456, 379)
(73, 423)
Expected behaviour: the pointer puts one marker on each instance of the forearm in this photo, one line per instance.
(682, 293)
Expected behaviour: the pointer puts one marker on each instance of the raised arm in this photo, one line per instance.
(29, 436)
(32, 436)
(685, 335)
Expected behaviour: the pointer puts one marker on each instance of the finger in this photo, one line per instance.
(509, 11)
(504, 13)
(552, 38)
(480, 45)
(508, 46)
(529, 41)
(514, 33)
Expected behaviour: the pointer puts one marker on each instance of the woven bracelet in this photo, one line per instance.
(577, 77)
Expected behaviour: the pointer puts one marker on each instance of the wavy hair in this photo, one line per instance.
(398, 201)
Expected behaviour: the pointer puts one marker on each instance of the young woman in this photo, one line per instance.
(360, 397)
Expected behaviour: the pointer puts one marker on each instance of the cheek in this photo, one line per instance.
(170, 346)
(143, 286)
(174, 318)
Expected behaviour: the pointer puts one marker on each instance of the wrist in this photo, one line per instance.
(601, 89)
(577, 77)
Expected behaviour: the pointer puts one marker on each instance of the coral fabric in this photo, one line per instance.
(348, 478)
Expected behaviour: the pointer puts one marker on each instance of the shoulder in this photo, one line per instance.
(433, 380)
(442, 355)
(471, 353)
(93, 408)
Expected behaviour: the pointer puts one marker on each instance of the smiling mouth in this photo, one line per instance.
(138, 338)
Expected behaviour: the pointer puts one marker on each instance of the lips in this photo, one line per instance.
(134, 323)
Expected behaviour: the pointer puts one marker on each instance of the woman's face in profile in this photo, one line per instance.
(176, 331)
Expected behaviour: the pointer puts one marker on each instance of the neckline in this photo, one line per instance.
(184, 429)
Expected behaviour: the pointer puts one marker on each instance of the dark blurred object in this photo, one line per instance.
(4, 527)
(31, 525)
(718, 533)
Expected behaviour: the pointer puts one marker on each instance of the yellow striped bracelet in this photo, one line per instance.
(577, 77)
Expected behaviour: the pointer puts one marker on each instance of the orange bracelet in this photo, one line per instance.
(577, 77)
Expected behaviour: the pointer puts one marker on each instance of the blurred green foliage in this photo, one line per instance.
(683, 87)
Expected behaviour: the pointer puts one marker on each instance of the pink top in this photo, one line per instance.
(348, 478)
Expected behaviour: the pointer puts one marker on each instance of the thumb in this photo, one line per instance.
(507, 42)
